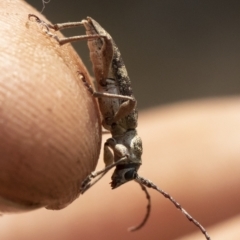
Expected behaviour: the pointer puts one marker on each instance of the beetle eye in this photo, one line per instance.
(130, 175)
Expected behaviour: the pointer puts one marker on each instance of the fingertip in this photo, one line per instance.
(50, 126)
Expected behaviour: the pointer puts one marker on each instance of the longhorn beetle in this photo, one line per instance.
(118, 110)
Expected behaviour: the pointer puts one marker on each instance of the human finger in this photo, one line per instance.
(49, 123)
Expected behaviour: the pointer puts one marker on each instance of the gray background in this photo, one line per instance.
(174, 50)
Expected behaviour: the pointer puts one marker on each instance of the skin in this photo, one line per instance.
(45, 111)
(191, 150)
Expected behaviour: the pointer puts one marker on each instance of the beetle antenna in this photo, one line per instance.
(134, 228)
(149, 184)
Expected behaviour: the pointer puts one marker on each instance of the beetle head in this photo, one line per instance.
(124, 173)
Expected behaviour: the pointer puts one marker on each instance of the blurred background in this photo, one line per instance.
(174, 50)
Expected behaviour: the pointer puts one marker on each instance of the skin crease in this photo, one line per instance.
(191, 150)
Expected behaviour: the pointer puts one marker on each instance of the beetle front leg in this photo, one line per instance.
(119, 151)
(86, 183)
(109, 146)
(108, 157)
